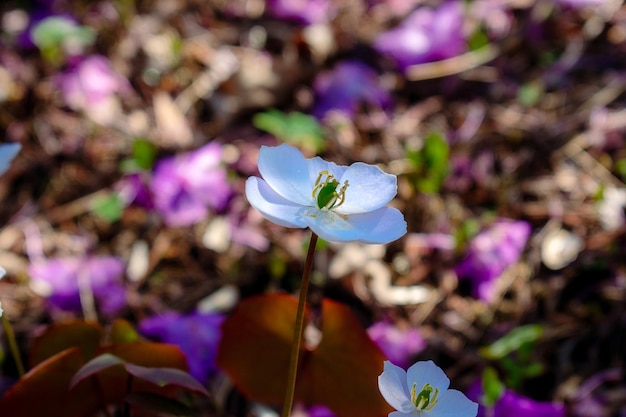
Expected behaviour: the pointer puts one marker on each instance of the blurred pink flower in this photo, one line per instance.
(90, 82)
(490, 252)
(347, 86)
(399, 345)
(185, 186)
(58, 280)
(307, 12)
(426, 35)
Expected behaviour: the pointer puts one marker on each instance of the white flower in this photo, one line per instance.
(422, 391)
(339, 203)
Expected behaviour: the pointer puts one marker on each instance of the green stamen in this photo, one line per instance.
(325, 191)
(425, 400)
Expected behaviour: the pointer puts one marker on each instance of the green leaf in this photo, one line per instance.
(54, 34)
(431, 163)
(529, 94)
(144, 153)
(512, 341)
(110, 207)
(295, 128)
(493, 388)
(122, 331)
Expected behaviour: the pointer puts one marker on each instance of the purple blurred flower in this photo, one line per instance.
(399, 345)
(490, 253)
(347, 86)
(133, 189)
(320, 411)
(515, 405)
(90, 83)
(197, 335)
(185, 186)
(307, 12)
(576, 4)
(426, 35)
(59, 280)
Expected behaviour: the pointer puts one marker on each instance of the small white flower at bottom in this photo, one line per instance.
(422, 391)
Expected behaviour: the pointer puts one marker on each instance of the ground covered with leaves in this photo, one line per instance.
(124, 217)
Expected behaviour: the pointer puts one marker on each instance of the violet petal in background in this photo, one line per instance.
(512, 404)
(185, 186)
(490, 252)
(427, 35)
(399, 345)
(197, 335)
(345, 87)
(61, 276)
(307, 12)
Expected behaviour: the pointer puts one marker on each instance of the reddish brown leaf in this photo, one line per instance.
(43, 391)
(166, 376)
(97, 364)
(341, 373)
(255, 345)
(59, 337)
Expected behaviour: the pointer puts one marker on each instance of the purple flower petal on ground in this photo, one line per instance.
(133, 189)
(427, 35)
(89, 82)
(61, 277)
(399, 345)
(579, 4)
(512, 404)
(347, 86)
(197, 335)
(307, 12)
(490, 252)
(185, 186)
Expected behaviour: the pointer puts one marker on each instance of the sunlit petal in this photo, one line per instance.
(392, 385)
(380, 226)
(426, 372)
(285, 170)
(453, 403)
(272, 206)
(370, 188)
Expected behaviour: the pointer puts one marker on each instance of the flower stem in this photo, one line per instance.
(299, 328)
(13, 345)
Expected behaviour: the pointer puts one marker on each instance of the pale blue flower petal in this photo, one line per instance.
(317, 165)
(380, 226)
(453, 403)
(285, 169)
(330, 226)
(8, 151)
(413, 413)
(426, 372)
(393, 387)
(370, 188)
(272, 206)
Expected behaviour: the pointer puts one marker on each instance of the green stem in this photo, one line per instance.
(299, 329)
(13, 345)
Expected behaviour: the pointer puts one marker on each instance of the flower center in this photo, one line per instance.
(425, 400)
(325, 191)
